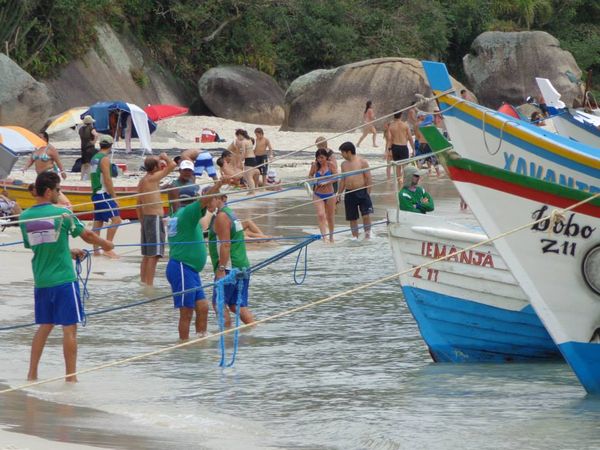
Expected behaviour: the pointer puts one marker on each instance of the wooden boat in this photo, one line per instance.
(469, 308)
(81, 198)
(512, 173)
(573, 123)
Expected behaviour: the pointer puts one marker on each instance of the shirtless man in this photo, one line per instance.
(229, 171)
(261, 146)
(398, 135)
(424, 120)
(150, 214)
(203, 162)
(358, 189)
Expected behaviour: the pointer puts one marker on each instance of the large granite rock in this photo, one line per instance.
(243, 94)
(117, 68)
(502, 67)
(334, 100)
(23, 100)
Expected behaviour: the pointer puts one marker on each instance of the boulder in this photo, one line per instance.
(243, 94)
(502, 67)
(118, 67)
(23, 100)
(334, 100)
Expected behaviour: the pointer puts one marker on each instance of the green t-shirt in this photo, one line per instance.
(49, 239)
(238, 256)
(184, 226)
(413, 200)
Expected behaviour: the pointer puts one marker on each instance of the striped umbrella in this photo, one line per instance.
(20, 140)
(68, 119)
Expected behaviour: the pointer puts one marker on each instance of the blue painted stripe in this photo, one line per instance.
(459, 330)
(584, 359)
(586, 126)
(529, 147)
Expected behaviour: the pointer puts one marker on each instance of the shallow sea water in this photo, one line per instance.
(352, 373)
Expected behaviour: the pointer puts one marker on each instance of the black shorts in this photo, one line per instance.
(355, 201)
(262, 159)
(399, 152)
(424, 148)
(87, 154)
(250, 162)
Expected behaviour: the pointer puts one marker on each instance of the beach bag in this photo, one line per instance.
(114, 170)
(77, 166)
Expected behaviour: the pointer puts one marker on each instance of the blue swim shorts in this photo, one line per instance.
(58, 305)
(231, 293)
(182, 277)
(108, 207)
(204, 162)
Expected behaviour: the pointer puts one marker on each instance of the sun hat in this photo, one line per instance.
(186, 164)
(88, 119)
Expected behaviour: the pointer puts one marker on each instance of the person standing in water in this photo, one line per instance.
(46, 228)
(369, 127)
(324, 196)
(150, 214)
(261, 146)
(245, 146)
(358, 189)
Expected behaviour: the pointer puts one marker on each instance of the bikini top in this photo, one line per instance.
(44, 157)
(326, 174)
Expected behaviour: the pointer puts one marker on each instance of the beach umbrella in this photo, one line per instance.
(20, 140)
(66, 119)
(158, 112)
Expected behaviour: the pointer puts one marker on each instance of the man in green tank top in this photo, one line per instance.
(227, 248)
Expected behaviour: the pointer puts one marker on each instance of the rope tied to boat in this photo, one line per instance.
(83, 280)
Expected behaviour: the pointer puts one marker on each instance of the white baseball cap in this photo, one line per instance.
(186, 164)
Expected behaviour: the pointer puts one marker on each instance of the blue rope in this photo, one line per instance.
(305, 249)
(254, 268)
(85, 294)
(235, 277)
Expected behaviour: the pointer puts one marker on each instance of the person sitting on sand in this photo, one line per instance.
(8, 208)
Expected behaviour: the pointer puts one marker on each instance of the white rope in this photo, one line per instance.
(299, 308)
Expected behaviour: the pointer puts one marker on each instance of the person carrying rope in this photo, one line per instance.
(103, 192)
(57, 298)
(229, 253)
(187, 257)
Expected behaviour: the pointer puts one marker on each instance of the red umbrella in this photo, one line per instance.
(158, 112)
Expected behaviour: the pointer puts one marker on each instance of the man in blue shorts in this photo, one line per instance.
(187, 257)
(226, 243)
(103, 192)
(46, 229)
(203, 162)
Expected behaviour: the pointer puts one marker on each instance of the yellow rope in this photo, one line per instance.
(299, 308)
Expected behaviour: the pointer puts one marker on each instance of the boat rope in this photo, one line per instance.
(83, 280)
(298, 308)
(307, 240)
(234, 277)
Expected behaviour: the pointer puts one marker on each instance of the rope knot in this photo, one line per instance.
(556, 216)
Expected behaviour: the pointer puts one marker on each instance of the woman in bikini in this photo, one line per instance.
(323, 195)
(46, 158)
(368, 118)
(245, 146)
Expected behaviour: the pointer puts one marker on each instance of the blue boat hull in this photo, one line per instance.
(459, 330)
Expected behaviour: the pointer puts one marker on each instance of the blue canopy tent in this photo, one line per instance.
(117, 114)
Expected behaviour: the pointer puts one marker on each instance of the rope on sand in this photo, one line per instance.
(302, 307)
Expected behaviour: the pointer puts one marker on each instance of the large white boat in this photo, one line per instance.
(511, 173)
(469, 308)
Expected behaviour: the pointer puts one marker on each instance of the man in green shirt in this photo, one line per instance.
(46, 229)
(227, 249)
(187, 257)
(413, 197)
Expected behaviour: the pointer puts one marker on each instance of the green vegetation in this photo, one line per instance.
(287, 38)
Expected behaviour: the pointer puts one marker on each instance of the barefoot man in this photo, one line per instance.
(150, 214)
(398, 135)
(103, 193)
(358, 189)
(46, 228)
(261, 146)
(203, 162)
